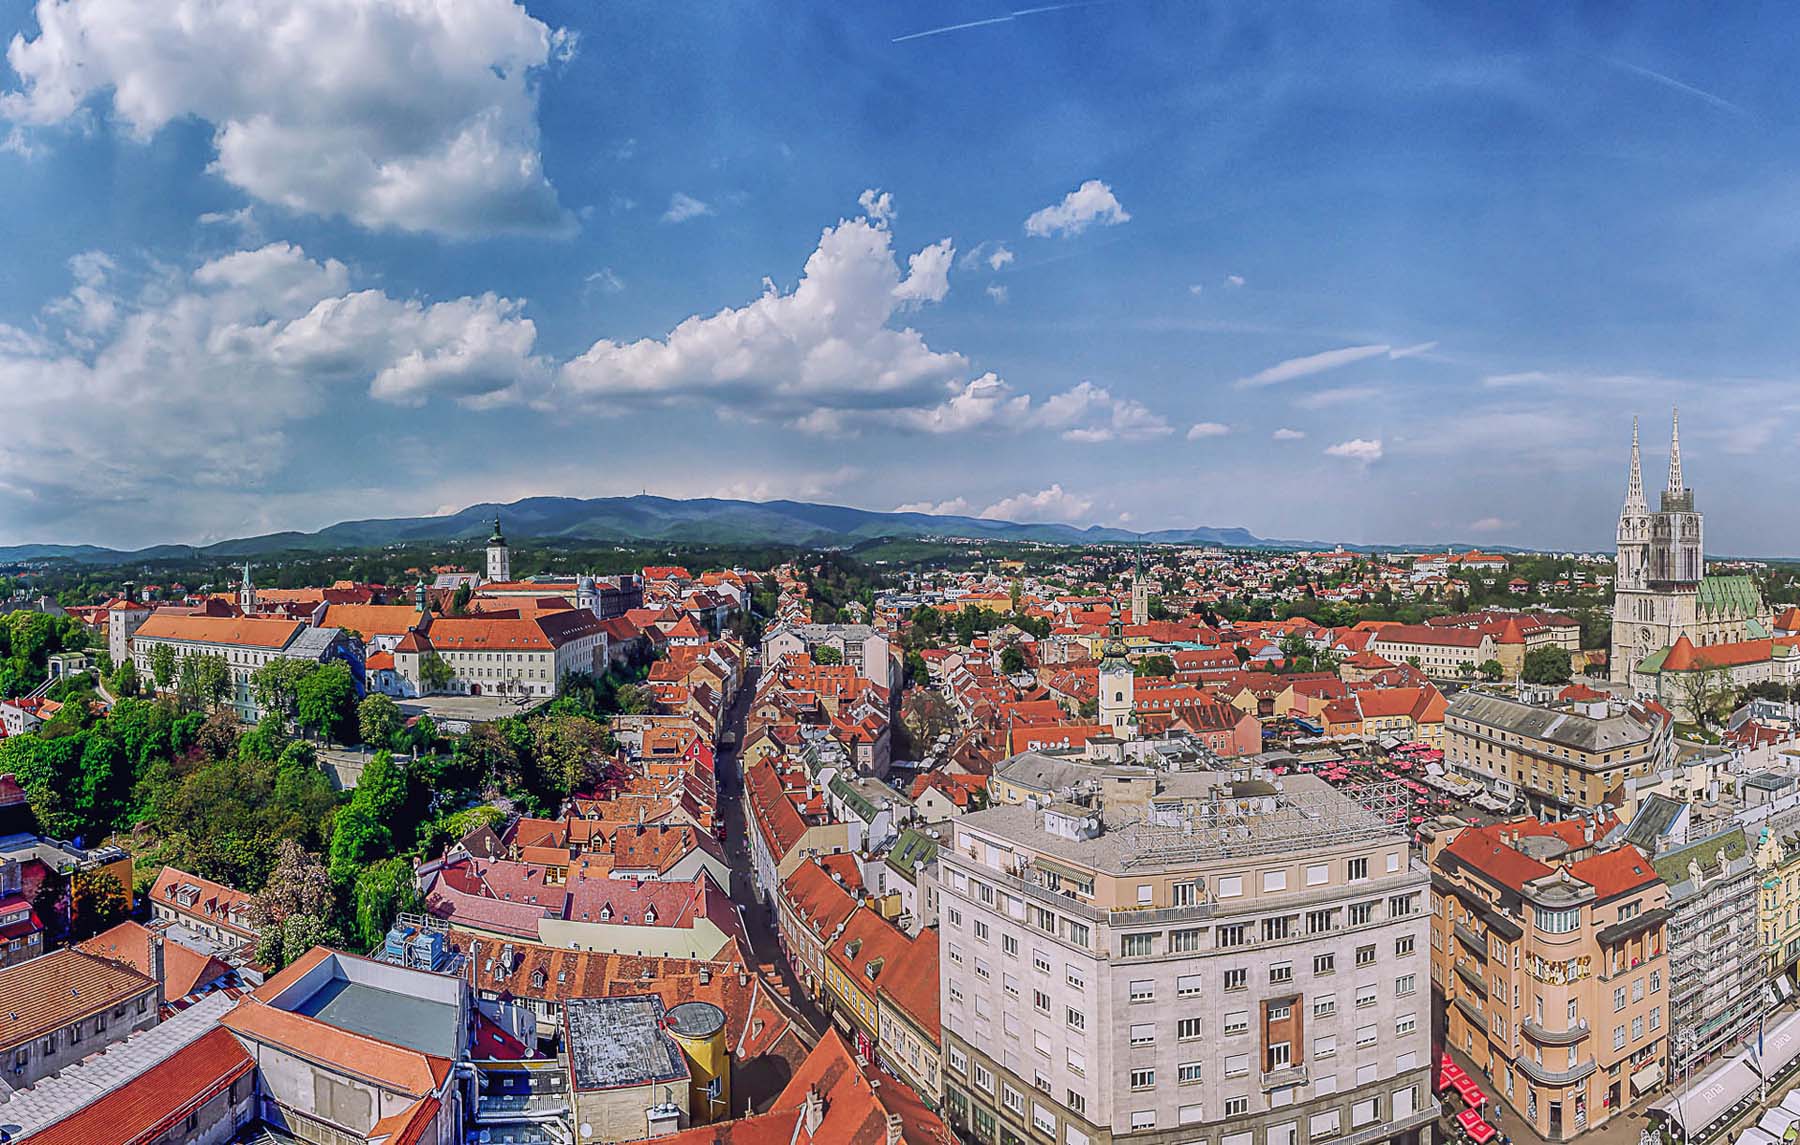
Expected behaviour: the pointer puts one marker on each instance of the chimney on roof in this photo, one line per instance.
(814, 1112)
(706, 976)
(894, 1132)
(156, 966)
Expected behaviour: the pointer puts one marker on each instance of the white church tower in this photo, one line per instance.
(1116, 681)
(499, 557)
(247, 594)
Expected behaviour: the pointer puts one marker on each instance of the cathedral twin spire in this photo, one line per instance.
(1635, 502)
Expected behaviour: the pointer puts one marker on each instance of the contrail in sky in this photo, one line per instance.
(1719, 102)
(1006, 19)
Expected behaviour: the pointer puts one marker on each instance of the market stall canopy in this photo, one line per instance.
(1711, 1097)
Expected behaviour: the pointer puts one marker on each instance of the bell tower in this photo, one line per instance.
(499, 558)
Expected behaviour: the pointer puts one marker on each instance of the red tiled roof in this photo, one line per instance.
(157, 1100)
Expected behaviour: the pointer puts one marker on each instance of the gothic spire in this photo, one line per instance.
(1634, 493)
(1675, 483)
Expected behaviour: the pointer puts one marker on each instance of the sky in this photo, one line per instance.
(1355, 272)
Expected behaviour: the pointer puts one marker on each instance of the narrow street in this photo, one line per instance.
(764, 945)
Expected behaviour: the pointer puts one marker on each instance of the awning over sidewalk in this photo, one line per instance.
(1780, 1047)
(1647, 1078)
(1712, 1096)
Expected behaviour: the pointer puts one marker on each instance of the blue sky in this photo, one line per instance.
(1358, 272)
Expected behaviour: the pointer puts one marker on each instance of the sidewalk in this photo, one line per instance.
(1622, 1129)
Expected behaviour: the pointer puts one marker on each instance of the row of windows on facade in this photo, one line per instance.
(1183, 893)
(74, 1032)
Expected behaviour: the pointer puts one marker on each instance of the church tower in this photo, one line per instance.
(1140, 591)
(499, 558)
(247, 594)
(1116, 681)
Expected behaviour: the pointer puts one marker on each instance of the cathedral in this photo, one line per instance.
(1661, 592)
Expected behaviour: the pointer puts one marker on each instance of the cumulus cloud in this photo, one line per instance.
(683, 206)
(201, 373)
(1286, 434)
(954, 507)
(1202, 429)
(1054, 504)
(414, 117)
(1360, 449)
(1092, 202)
(878, 205)
(992, 255)
(827, 358)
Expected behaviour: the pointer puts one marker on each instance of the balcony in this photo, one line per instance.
(1472, 943)
(1546, 1076)
(1547, 1037)
(1472, 1012)
(1473, 977)
(1285, 1076)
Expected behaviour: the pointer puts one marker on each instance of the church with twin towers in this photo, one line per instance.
(1669, 616)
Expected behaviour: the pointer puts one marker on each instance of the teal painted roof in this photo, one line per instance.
(912, 846)
(856, 801)
(1757, 631)
(1653, 663)
(1729, 596)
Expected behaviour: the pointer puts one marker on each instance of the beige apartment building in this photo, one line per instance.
(1562, 760)
(1551, 956)
(1178, 957)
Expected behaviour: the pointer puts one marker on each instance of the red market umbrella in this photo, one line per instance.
(1479, 1131)
(1449, 1074)
(1471, 1091)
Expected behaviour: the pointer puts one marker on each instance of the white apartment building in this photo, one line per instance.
(1185, 958)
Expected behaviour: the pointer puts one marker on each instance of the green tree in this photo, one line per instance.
(435, 672)
(325, 699)
(459, 600)
(1491, 670)
(162, 665)
(276, 685)
(633, 699)
(1548, 665)
(278, 946)
(569, 751)
(214, 680)
(358, 839)
(383, 891)
(826, 655)
(187, 681)
(299, 884)
(1157, 665)
(124, 680)
(379, 720)
(1012, 659)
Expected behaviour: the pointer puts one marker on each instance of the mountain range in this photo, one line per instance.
(646, 518)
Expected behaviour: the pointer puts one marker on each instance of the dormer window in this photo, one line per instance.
(538, 978)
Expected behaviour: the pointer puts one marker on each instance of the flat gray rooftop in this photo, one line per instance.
(403, 1019)
(615, 1043)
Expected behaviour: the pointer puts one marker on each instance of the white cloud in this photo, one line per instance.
(954, 507)
(1286, 434)
(927, 275)
(1089, 413)
(1522, 378)
(605, 279)
(989, 254)
(1337, 396)
(878, 205)
(1054, 504)
(415, 117)
(1360, 449)
(1000, 258)
(996, 292)
(986, 402)
(1092, 202)
(683, 206)
(1309, 364)
(1491, 525)
(1234, 280)
(202, 373)
(1196, 289)
(1202, 429)
(1414, 351)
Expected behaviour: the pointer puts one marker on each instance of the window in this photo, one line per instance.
(984, 1080)
(1040, 962)
(956, 954)
(1076, 1019)
(1281, 972)
(1010, 984)
(1323, 1125)
(1618, 1037)
(1656, 1017)
(1040, 1001)
(1143, 990)
(1184, 941)
(1187, 1029)
(1324, 1005)
(1274, 881)
(1637, 1027)
(1143, 1033)
(956, 994)
(1317, 875)
(1187, 986)
(1237, 1022)
(1078, 933)
(1280, 1054)
(1365, 1037)
(1356, 870)
(1143, 1079)
(1405, 1024)
(1324, 964)
(1231, 886)
(1237, 1065)
(1403, 946)
(1324, 1045)
(1077, 1063)
(1277, 929)
(1183, 894)
(1009, 944)
(1362, 913)
(1040, 1042)
(1042, 1119)
(1557, 921)
(1077, 1102)
(1365, 1112)
(1143, 1119)
(1280, 1011)
(1400, 906)
(1075, 978)
(1237, 1106)
(981, 931)
(1012, 1099)
(1365, 995)
(959, 1061)
(1405, 984)
(1637, 990)
(1320, 921)
(1365, 955)
(982, 970)
(1228, 936)
(1136, 945)
(1618, 999)
(1655, 981)
(1187, 1073)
